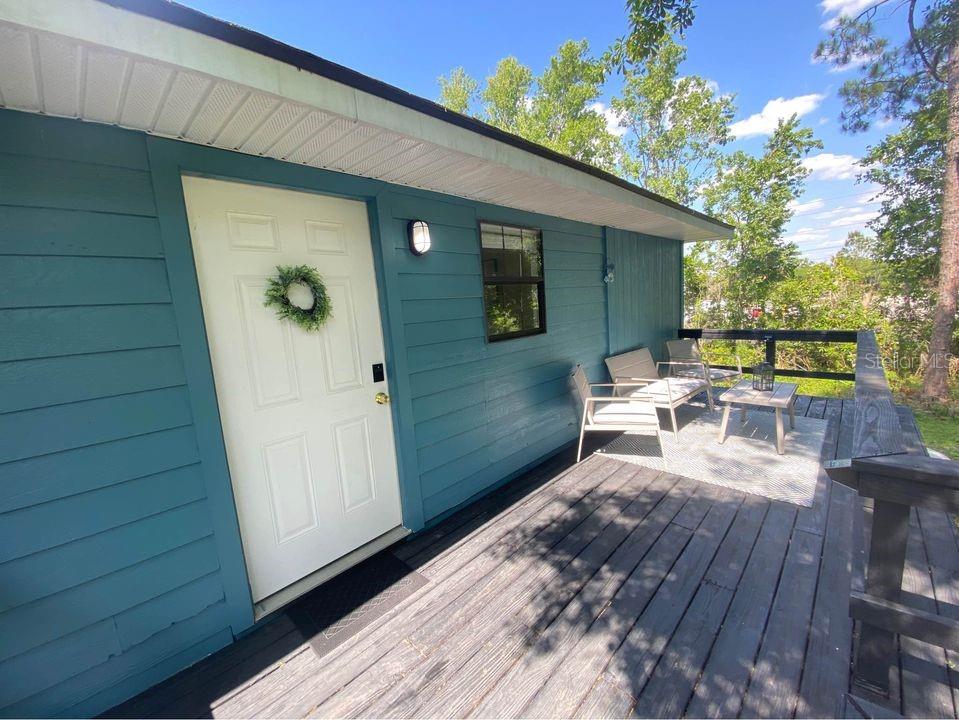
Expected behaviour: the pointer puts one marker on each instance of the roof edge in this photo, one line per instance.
(189, 19)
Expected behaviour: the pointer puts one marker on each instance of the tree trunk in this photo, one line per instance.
(936, 379)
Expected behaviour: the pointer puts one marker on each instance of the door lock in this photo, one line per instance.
(382, 398)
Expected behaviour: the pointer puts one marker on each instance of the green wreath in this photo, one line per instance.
(277, 296)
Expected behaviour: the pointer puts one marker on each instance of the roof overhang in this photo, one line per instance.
(167, 70)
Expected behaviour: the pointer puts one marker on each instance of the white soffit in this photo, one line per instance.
(87, 60)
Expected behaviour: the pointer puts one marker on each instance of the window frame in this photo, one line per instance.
(539, 281)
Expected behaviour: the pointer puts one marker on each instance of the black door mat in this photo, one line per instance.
(340, 608)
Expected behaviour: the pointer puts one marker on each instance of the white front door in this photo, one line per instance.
(311, 453)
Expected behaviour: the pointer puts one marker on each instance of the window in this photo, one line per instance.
(513, 288)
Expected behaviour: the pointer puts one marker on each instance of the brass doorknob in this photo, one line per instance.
(382, 398)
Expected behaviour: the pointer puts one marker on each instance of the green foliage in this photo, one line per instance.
(840, 294)
(555, 109)
(501, 320)
(458, 90)
(652, 23)
(909, 165)
(893, 79)
(511, 308)
(277, 296)
(560, 115)
(504, 96)
(753, 194)
(911, 81)
(677, 125)
(901, 81)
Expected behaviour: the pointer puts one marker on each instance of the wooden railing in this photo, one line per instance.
(770, 337)
(889, 464)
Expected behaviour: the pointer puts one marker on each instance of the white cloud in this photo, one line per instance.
(801, 208)
(829, 166)
(839, 212)
(824, 231)
(835, 9)
(860, 218)
(613, 123)
(844, 7)
(807, 235)
(765, 121)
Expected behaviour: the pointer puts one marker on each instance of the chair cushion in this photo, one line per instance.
(672, 388)
(621, 413)
(719, 374)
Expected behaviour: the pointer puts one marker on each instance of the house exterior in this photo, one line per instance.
(175, 461)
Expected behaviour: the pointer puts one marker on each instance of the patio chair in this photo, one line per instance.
(633, 414)
(689, 351)
(637, 366)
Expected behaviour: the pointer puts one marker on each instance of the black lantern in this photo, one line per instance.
(419, 237)
(764, 375)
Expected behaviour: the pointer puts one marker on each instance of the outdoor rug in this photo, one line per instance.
(340, 608)
(747, 461)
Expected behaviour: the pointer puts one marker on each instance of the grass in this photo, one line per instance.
(938, 421)
(940, 430)
(823, 388)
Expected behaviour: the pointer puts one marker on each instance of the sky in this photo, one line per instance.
(760, 51)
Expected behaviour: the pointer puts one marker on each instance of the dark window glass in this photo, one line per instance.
(513, 288)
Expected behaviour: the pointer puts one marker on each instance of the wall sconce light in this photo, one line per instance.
(610, 273)
(419, 237)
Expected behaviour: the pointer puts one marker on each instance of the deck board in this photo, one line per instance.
(722, 684)
(606, 590)
(925, 682)
(464, 629)
(671, 683)
(622, 546)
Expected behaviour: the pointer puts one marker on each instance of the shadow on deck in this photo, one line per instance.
(603, 589)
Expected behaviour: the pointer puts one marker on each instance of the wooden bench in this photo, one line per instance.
(638, 374)
(888, 464)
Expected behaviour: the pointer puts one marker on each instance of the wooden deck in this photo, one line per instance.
(605, 589)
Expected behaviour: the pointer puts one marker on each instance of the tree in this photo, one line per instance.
(909, 166)
(652, 23)
(457, 91)
(556, 109)
(561, 112)
(754, 195)
(506, 93)
(677, 125)
(842, 292)
(897, 81)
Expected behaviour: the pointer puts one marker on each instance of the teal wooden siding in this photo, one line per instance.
(120, 559)
(646, 297)
(108, 566)
(482, 412)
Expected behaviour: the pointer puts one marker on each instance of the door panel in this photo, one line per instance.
(311, 454)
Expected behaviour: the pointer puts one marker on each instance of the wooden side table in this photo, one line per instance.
(781, 397)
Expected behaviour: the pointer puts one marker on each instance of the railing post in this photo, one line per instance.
(770, 350)
(887, 560)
